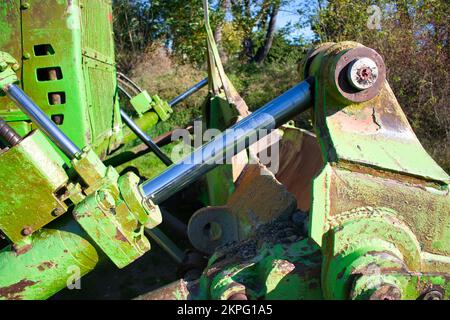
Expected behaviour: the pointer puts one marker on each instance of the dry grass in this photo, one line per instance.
(159, 73)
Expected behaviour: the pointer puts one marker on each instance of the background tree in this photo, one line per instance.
(262, 57)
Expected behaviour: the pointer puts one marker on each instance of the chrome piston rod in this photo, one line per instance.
(188, 92)
(145, 138)
(229, 143)
(41, 120)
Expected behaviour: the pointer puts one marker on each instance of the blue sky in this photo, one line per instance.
(289, 14)
(286, 16)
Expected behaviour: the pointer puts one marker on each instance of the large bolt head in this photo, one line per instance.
(433, 295)
(363, 73)
(26, 231)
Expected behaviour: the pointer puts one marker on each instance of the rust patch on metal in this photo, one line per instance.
(377, 172)
(386, 292)
(21, 250)
(300, 161)
(45, 265)
(178, 290)
(272, 202)
(361, 122)
(78, 216)
(238, 297)
(13, 292)
(119, 236)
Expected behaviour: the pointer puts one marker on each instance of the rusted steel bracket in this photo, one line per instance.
(379, 190)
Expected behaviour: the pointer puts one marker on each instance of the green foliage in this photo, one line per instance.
(185, 26)
(232, 37)
(413, 38)
(283, 49)
(258, 84)
(135, 27)
(161, 73)
(179, 24)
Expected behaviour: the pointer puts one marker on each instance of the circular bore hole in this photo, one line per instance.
(213, 231)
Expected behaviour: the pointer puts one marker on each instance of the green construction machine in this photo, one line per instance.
(263, 209)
